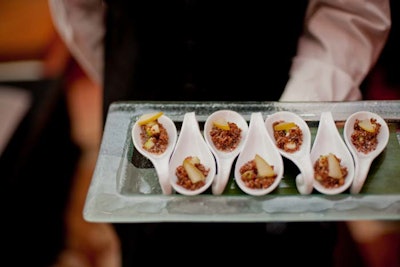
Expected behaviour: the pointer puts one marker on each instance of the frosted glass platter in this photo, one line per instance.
(124, 186)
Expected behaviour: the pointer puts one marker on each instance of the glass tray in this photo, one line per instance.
(125, 187)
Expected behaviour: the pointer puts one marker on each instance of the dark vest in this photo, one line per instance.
(199, 49)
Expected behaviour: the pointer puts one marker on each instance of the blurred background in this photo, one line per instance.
(51, 124)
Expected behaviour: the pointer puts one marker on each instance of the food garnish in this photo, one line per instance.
(221, 124)
(284, 126)
(149, 117)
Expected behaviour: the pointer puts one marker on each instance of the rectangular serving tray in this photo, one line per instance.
(125, 188)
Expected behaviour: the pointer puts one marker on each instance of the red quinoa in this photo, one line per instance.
(226, 140)
(363, 140)
(321, 170)
(249, 176)
(160, 139)
(184, 180)
(288, 140)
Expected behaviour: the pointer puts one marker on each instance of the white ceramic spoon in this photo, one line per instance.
(328, 140)
(301, 158)
(191, 143)
(159, 161)
(363, 161)
(224, 158)
(258, 142)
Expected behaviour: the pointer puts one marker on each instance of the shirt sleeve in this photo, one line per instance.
(80, 23)
(342, 40)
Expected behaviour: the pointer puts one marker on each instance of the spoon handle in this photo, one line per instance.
(222, 177)
(162, 169)
(361, 170)
(305, 180)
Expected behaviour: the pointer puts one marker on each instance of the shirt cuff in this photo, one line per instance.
(313, 80)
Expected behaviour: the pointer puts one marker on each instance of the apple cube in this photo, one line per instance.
(149, 143)
(152, 128)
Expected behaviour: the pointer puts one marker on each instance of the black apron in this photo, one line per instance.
(205, 50)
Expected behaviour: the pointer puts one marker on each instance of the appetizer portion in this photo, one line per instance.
(258, 173)
(225, 135)
(288, 136)
(153, 134)
(192, 173)
(365, 135)
(329, 172)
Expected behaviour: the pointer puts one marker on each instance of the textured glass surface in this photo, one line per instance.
(125, 186)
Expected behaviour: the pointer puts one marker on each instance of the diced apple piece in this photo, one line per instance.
(221, 124)
(195, 175)
(334, 167)
(152, 128)
(367, 125)
(149, 143)
(290, 145)
(284, 126)
(149, 117)
(263, 168)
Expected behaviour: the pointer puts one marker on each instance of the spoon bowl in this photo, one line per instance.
(191, 143)
(224, 158)
(328, 140)
(300, 157)
(259, 142)
(159, 161)
(362, 160)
